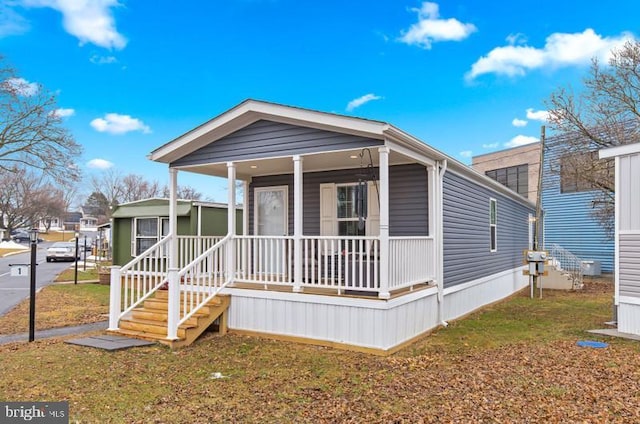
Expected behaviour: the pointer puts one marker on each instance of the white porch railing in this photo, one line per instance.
(411, 261)
(264, 259)
(345, 264)
(190, 247)
(342, 263)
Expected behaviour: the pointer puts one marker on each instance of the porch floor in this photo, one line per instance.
(328, 291)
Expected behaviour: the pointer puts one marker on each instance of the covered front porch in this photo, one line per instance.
(355, 214)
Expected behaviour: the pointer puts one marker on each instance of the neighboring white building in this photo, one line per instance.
(627, 235)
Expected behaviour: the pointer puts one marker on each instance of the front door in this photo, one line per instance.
(271, 219)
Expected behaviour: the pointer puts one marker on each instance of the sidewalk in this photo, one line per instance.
(55, 332)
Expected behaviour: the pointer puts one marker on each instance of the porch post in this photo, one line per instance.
(173, 302)
(297, 223)
(245, 208)
(173, 307)
(173, 218)
(384, 222)
(231, 222)
(115, 290)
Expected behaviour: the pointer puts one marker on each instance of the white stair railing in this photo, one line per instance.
(201, 280)
(134, 282)
(568, 263)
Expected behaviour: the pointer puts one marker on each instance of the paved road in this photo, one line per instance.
(14, 289)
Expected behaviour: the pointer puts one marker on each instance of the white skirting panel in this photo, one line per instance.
(368, 323)
(464, 298)
(628, 318)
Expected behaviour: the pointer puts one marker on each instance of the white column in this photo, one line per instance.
(115, 304)
(245, 208)
(173, 218)
(231, 223)
(297, 223)
(383, 153)
(173, 307)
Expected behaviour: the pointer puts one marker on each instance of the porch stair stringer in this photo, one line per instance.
(149, 321)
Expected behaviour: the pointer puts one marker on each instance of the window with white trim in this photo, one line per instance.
(146, 232)
(493, 224)
(348, 205)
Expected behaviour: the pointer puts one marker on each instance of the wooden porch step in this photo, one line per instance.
(162, 316)
(151, 323)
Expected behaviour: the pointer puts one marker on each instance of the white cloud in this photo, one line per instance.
(64, 113)
(466, 153)
(520, 140)
(537, 115)
(430, 28)
(91, 21)
(114, 123)
(560, 50)
(11, 23)
(361, 100)
(490, 145)
(99, 164)
(21, 86)
(519, 122)
(102, 60)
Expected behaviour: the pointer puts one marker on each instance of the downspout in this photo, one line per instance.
(442, 168)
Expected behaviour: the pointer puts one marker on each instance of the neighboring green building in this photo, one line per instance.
(141, 224)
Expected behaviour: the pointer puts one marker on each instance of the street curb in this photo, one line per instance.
(79, 282)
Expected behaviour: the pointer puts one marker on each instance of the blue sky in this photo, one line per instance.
(466, 77)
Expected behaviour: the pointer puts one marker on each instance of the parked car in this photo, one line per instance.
(20, 236)
(62, 251)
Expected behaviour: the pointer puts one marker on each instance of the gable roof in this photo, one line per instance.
(250, 111)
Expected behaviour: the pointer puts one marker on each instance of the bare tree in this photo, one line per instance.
(26, 197)
(135, 187)
(31, 130)
(109, 184)
(183, 192)
(606, 113)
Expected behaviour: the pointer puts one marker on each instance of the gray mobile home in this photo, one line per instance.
(356, 233)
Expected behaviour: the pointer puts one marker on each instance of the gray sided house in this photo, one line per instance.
(627, 235)
(356, 235)
(141, 224)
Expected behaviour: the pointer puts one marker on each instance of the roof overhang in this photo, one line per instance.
(623, 150)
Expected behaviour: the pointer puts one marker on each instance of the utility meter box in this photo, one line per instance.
(536, 260)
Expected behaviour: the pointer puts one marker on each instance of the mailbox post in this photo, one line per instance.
(32, 289)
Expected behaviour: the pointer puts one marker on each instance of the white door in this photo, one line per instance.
(271, 219)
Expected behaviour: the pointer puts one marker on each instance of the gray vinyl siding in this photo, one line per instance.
(630, 265)
(264, 139)
(466, 233)
(408, 198)
(629, 196)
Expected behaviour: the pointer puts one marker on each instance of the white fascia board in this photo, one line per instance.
(251, 111)
(623, 150)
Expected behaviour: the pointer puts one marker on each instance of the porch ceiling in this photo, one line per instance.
(315, 162)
